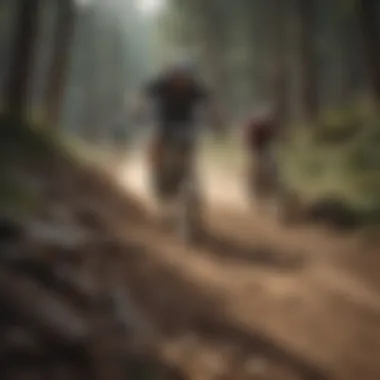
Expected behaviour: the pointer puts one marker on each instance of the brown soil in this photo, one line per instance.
(293, 300)
(255, 300)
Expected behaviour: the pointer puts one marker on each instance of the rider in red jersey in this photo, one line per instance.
(260, 133)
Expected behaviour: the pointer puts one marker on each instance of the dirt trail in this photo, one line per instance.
(217, 187)
(274, 295)
(255, 301)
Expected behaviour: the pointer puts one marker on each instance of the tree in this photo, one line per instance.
(368, 10)
(307, 63)
(60, 60)
(211, 46)
(21, 65)
(280, 48)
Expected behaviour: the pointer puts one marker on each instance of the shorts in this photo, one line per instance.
(171, 160)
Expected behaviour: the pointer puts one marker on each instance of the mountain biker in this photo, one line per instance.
(260, 133)
(177, 95)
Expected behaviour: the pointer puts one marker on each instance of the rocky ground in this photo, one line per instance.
(92, 288)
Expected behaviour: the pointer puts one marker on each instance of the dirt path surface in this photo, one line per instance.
(93, 283)
(257, 301)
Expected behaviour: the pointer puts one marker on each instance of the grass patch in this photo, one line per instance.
(25, 147)
(340, 162)
(23, 139)
(33, 157)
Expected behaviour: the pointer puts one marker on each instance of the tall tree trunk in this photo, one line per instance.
(280, 73)
(88, 64)
(368, 20)
(60, 60)
(212, 52)
(21, 65)
(308, 73)
(261, 14)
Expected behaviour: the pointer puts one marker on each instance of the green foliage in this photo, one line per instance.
(339, 126)
(341, 161)
(22, 144)
(18, 137)
(17, 198)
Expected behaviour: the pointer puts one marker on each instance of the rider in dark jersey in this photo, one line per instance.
(177, 95)
(261, 133)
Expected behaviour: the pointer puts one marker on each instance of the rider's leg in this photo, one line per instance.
(271, 183)
(156, 168)
(191, 227)
(259, 178)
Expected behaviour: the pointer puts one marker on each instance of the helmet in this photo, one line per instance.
(183, 66)
(263, 111)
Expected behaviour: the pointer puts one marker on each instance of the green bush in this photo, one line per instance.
(339, 129)
(341, 158)
(344, 125)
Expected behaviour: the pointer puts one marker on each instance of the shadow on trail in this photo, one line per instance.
(256, 343)
(179, 308)
(145, 367)
(69, 364)
(230, 249)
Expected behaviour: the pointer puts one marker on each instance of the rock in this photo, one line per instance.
(11, 231)
(91, 219)
(42, 310)
(333, 212)
(17, 339)
(60, 235)
(61, 213)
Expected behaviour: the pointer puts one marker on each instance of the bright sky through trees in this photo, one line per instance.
(150, 6)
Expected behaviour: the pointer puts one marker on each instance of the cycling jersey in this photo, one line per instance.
(260, 133)
(175, 107)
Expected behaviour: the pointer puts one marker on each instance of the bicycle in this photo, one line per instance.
(176, 186)
(268, 192)
(263, 182)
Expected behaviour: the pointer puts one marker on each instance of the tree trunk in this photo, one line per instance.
(22, 58)
(307, 67)
(280, 72)
(211, 52)
(368, 20)
(60, 61)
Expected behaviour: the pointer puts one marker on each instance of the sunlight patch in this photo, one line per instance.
(150, 6)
